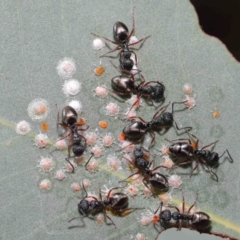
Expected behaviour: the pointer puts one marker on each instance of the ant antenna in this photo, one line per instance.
(230, 157)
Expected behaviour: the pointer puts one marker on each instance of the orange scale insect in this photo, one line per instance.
(215, 113)
(81, 121)
(103, 124)
(121, 137)
(99, 70)
(44, 126)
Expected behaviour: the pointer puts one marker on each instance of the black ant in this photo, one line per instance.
(124, 85)
(122, 36)
(115, 202)
(157, 180)
(199, 221)
(136, 129)
(185, 150)
(76, 143)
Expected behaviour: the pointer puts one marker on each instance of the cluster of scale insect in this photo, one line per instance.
(77, 139)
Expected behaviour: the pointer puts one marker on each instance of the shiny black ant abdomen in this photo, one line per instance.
(76, 142)
(157, 180)
(122, 36)
(184, 151)
(124, 85)
(136, 129)
(114, 202)
(199, 221)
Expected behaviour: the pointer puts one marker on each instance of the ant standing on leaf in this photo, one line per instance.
(136, 129)
(199, 221)
(183, 151)
(75, 140)
(157, 180)
(115, 202)
(122, 37)
(124, 85)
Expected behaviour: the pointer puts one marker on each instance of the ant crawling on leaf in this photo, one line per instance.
(199, 221)
(183, 151)
(122, 36)
(136, 129)
(115, 202)
(76, 141)
(125, 85)
(157, 180)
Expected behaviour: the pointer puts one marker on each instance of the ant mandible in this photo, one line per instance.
(115, 202)
(184, 150)
(69, 121)
(122, 36)
(157, 180)
(199, 221)
(136, 129)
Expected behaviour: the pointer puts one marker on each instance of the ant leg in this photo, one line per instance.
(135, 103)
(106, 216)
(88, 161)
(187, 128)
(210, 170)
(133, 24)
(153, 137)
(196, 167)
(107, 39)
(164, 107)
(160, 206)
(230, 157)
(84, 189)
(178, 139)
(190, 208)
(124, 180)
(177, 103)
(210, 144)
(121, 212)
(129, 161)
(109, 193)
(159, 167)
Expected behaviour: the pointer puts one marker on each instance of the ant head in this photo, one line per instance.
(138, 153)
(83, 206)
(78, 150)
(168, 118)
(165, 215)
(69, 115)
(158, 93)
(213, 159)
(120, 32)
